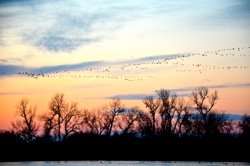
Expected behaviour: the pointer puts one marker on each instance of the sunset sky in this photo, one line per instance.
(95, 50)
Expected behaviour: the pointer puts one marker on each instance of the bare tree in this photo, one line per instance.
(115, 108)
(26, 127)
(182, 123)
(62, 118)
(174, 112)
(94, 122)
(88, 122)
(167, 110)
(49, 122)
(204, 103)
(71, 117)
(153, 105)
(129, 120)
(58, 107)
(145, 124)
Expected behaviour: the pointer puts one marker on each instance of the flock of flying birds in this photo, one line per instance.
(140, 68)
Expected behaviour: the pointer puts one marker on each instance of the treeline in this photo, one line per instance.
(170, 123)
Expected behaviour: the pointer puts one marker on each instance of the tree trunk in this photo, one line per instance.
(59, 128)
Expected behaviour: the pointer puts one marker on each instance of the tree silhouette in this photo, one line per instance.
(114, 109)
(26, 127)
(62, 118)
(217, 124)
(72, 119)
(167, 110)
(153, 105)
(49, 123)
(182, 123)
(145, 125)
(204, 103)
(94, 122)
(9, 138)
(129, 120)
(57, 107)
(245, 126)
(170, 121)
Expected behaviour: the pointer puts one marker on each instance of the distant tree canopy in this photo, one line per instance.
(166, 115)
(245, 126)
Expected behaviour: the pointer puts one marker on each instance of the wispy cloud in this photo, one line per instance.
(230, 85)
(180, 91)
(11, 61)
(157, 57)
(8, 66)
(64, 26)
(187, 91)
(14, 93)
(236, 11)
(13, 69)
(68, 31)
(76, 24)
(139, 96)
(221, 86)
(220, 16)
(12, 1)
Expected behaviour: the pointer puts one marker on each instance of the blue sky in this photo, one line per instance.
(77, 31)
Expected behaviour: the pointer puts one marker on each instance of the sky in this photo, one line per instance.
(95, 50)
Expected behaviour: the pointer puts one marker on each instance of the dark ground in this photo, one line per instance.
(84, 147)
